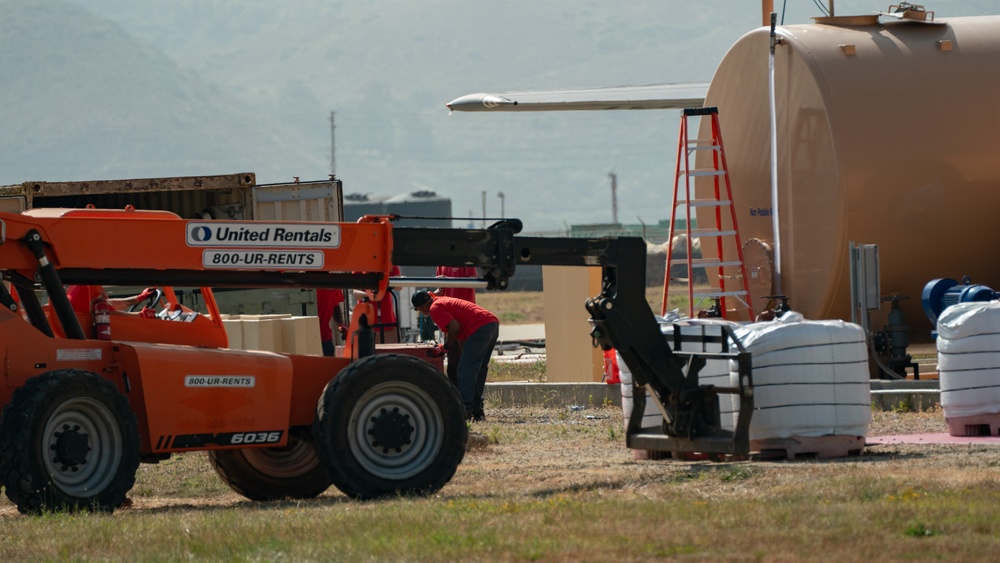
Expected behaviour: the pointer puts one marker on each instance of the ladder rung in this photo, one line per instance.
(705, 202)
(714, 292)
(696, 233)
(713, 262)
(705, 172)
(727, 268)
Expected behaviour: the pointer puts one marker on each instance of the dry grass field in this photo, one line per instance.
(525, 307)
(513, 307)
(557, 484)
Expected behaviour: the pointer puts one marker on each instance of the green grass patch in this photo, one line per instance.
(510, 371)
(562, 527)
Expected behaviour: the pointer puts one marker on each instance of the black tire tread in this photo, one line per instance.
(16, 427)
(340, 468)
(236, 471)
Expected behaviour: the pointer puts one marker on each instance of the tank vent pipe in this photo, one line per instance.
(774, 160)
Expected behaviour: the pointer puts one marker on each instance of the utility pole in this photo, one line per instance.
(484, 209)
(614, 197)
(333, 144)
(501, 196)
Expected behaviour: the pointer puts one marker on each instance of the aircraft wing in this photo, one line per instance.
(657, 96)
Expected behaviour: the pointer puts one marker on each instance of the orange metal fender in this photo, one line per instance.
(312, 373)
(197, 398)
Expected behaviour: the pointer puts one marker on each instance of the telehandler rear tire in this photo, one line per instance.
(68, 441)
(390, 425)
(293, 471)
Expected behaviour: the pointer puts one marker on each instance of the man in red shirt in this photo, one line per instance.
(472, 328)
(466, 293)
(328, 308)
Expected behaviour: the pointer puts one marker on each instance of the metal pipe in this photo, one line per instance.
(774, 160)
(53, 286)
(437, 282)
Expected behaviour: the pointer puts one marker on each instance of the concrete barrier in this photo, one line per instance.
(905, 394)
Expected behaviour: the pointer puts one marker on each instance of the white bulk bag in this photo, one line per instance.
(969, 359)
(810, 378)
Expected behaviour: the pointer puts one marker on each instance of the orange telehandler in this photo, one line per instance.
(80, 414)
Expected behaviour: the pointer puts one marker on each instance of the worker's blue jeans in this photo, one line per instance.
(474, 365)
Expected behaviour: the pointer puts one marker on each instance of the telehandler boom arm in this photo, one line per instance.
(57, 246)
(621, 319)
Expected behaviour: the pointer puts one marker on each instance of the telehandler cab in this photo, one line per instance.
(80, 414)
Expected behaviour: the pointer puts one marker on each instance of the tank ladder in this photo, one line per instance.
(728, 285)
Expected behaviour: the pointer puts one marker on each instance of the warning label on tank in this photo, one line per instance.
(241, 381)
(263, 235)
(263, 259)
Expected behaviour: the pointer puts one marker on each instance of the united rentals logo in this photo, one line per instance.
(200, 234)
(263, 235)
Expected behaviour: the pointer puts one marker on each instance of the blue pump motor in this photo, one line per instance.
(942, 293)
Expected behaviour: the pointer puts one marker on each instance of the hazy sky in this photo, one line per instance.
(553, 169)
(650, 204)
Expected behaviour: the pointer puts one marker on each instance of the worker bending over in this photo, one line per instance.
(466, 293)
(472, 328)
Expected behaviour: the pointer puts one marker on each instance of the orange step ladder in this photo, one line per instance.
(729, 285)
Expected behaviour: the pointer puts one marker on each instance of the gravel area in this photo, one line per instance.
(891, 423)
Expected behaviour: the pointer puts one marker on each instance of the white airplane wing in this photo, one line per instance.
(657, 96)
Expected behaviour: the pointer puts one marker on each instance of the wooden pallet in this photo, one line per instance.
(807, 446)
(975, 425)
(640, 455)
(774, 449)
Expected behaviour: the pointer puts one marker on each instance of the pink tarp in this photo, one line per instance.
(942, 438)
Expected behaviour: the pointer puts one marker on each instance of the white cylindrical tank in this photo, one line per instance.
(887, 134)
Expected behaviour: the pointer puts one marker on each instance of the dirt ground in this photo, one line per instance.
(585, 459)
(537, 452)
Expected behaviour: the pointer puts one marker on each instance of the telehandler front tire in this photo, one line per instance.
(390, 425)
(262, 474)
(68, 441)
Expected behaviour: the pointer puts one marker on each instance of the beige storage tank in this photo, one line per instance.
(887, 134)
